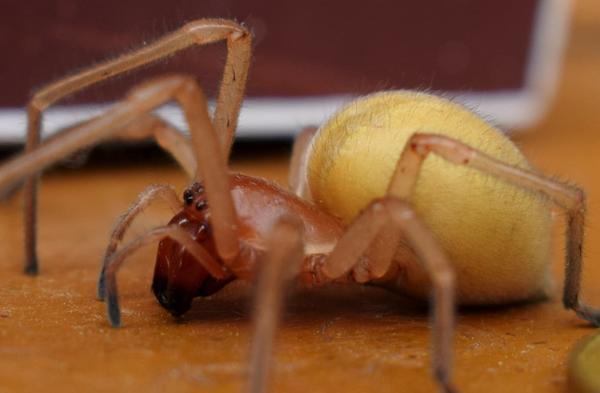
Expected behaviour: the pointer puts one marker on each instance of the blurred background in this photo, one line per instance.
(500, 57)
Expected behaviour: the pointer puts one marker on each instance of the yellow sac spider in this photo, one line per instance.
(404, 190)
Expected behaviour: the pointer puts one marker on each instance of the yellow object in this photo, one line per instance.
(497, 235)
(584, 366)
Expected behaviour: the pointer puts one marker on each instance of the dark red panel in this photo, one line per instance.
(302, 47)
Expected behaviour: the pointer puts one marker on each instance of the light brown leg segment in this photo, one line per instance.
(149, 195)
(166, 136)
(296, 181)
(392, 212)
(281, 263)
(199, 32)
(571, 199)
(176, 233)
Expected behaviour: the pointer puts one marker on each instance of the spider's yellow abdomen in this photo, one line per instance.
(496, 235)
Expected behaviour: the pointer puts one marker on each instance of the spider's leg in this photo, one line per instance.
(297, 176)
(569, 198)
(358, 240)
(282, 261)
(149, 195)
(176, 233)
(170, 139)
(200, 32)
(211, 164)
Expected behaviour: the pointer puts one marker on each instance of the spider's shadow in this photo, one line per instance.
(356, 302)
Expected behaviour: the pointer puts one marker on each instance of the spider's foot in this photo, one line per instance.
(444, 383)
(588, 313)
(449, 388)
(31, 267)
(114, 313)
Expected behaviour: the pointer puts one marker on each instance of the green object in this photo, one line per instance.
(584, 366)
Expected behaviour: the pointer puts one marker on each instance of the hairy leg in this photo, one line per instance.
(297, 177)
(149, 195)
(281, 263)
(166, 136)
(200, 32)
(569, 198)
(353, 246)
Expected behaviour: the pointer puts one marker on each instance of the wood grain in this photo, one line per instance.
(54, 335)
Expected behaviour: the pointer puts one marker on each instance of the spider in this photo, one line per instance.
(402, 189)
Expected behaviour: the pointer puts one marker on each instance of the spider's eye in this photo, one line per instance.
(188, 197)
(201, 204)
(197, 188)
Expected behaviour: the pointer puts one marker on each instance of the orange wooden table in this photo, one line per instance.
(54, 335)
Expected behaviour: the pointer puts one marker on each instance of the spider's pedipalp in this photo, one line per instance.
(147, 197)
(200, 255)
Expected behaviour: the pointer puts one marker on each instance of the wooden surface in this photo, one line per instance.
(54, 335)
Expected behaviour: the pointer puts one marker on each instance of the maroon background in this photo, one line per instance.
(302, 47)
